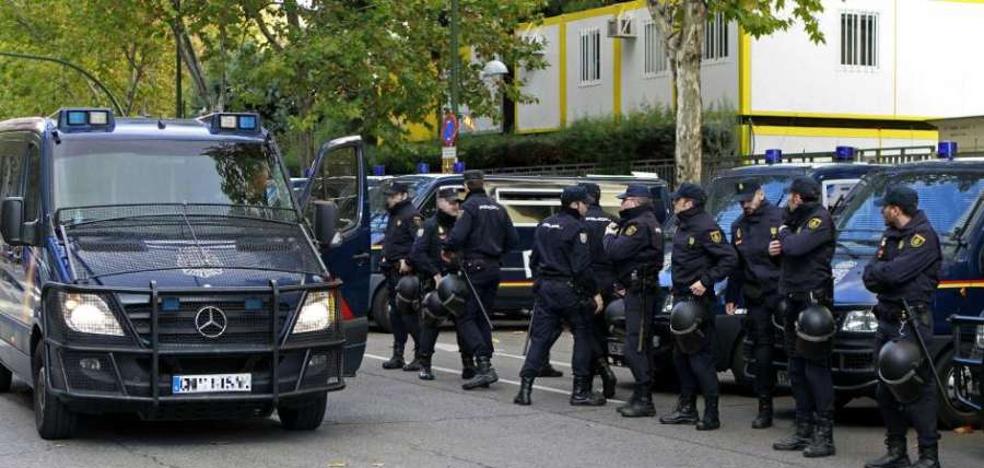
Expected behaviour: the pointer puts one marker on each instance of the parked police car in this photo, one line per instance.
(968, 355)
(527, 199)
(163, 267)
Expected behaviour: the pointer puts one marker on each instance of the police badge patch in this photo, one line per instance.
(814, 223)
(917, 240)
(738, 233)
(716, 237)
(631, 230)
(690, 241)
(584, 237)
(420, 232)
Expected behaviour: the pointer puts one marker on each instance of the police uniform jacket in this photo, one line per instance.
(561, 251)
(596, 221)
(426, 252)
(483, 231)
(637, 246)
(700, 252)
(907, 265)
(807, 239)
(401, 229)
(757, 273)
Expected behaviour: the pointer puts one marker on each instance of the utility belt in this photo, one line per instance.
(818, 296)
(474, 264)
(637, 280)
(892, 312)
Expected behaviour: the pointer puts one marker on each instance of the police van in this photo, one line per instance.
(968, 346)
(527, 199)
(164, 268)
(836, 178)
(950, 193)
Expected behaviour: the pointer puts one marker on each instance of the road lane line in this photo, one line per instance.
(454, 349)
(507, 381)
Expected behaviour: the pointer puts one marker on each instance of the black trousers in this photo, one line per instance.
(473, 327)
(598, 324)
(640, 307)
(920, 414)
(811, 380)
(429, 332)
(761, 334)
(403, 325)
(698, 371)
(556, 302)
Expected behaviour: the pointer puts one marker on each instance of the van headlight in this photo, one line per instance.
(89, 313)
(860, 321)
(979, 339)
(317, 314)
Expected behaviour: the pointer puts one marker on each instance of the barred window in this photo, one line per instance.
(716, 38)
(654, 50)
(590, 56)
(859, 39)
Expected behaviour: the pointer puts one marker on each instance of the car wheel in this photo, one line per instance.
(380, 310)
(738, 363)
(53, 419)
(952, 412)
(304, 416)
(6, 377)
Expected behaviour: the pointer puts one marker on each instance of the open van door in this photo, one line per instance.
(338, 176)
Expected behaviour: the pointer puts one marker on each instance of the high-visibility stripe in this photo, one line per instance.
(516, 284)
(957, 284)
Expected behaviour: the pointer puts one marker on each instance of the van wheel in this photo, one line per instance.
(738, 363)
(380, 310)
(952, 412)
(304, 416)
(52, 418)
(5, 378)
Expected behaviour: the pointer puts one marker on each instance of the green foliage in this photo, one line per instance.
(763, 17)
(612, 144)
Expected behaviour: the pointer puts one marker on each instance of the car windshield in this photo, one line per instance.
(721, 202)
(377, 198)
(947, 199)
(104, 172)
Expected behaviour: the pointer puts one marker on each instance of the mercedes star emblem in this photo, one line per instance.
(211, 322)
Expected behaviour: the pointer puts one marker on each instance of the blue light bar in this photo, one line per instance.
(844, 153)
(423, 168)
(773, 156)
(946, 150)
(459, 167)
(232, 122)
(247, 122)
(77, 118)
(379, 170)
(84, 120)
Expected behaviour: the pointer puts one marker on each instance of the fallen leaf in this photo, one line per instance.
(964, 430)
(337, 464)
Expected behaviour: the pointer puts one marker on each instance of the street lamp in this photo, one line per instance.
(494, 69)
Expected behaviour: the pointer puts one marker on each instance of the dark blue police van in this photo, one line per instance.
(163, 267)
(968, 356)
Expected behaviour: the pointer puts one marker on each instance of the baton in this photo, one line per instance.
(529, 331)
(474, 292)
(642, 316)
(922, 346)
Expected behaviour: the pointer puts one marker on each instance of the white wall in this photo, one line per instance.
(543, 84)
(807, 144)
(589, 100)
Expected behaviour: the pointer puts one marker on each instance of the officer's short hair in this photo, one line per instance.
(475, 184)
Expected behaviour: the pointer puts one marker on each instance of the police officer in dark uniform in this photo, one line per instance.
(596, 221)
(565, 291)
(634, 245)
(401, 228)
(756, 284)
(806, 244)
(479, 239)
(431, 267)
(701, 258)
(906, 272)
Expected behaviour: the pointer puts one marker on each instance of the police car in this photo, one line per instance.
(163, 267)
(968, 346)
(950, 193)
(528, 200)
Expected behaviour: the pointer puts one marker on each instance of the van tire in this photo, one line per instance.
(738, 363)
(380, 310)
(949, 413)
(304, 416)
(6, 377)
(51, 417)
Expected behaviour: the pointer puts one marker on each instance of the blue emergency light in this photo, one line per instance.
(773, 156)
(946, 150)
(232, 122)
(423, 168)
(85, 119)
(379, 170)
(844, 153)
(459, 167)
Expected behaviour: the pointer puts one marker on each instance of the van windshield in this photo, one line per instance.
(947, 199)
(721, 202)
(102, 172)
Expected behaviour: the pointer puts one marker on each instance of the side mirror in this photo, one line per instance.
(325, 216)
(12, 220)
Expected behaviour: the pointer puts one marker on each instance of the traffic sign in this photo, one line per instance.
(449, 129)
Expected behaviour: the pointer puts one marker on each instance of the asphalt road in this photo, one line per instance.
(390, 419)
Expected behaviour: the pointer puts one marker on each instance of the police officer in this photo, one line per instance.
(431, 267)
(755, 282)
(701, 258)
(479, 239)
(905, 272)
(634, 245)
(401, 228)
(596, 221)
(806, 244)
(565, 291)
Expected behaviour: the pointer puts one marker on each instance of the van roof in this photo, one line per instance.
(135, 128)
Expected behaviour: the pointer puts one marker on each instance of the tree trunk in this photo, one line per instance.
(689, 107)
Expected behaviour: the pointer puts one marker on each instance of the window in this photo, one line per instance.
(528, 206)
(655, 53)
(859, 39)
(716, 38)
(32, 193)
(338, 182)
(591, 56)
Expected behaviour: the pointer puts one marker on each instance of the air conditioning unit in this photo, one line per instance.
(621, 27)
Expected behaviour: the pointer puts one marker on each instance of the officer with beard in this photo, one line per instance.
(806, 244)
(401, 227)
(634, 245)
(904, 273)
(431, 267)
(756, 283)
(596, 220)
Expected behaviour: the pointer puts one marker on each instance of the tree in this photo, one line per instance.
(682, 25)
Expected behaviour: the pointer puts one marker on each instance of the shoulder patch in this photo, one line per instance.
(814, 223)
(917, 240)
(631, 230)
(690, 241)
(583, 237)
(716, 237)
(420, 232)
(738, 233)
(418, 220)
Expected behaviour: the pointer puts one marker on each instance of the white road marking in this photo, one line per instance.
(507, 381)
(453, 348)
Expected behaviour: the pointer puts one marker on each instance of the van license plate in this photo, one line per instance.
(213, 383)
(616, 348)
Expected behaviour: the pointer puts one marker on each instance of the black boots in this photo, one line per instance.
(764, 418)
(823, 437)
(640, 405)
(425, 369)
(484, 374)
(608, 380)
(685, 413)
(395, 362)
(525, 389)
(582, 394)
(895, 457)
(711, 420)
(467, 367)
(798, 440)
(413, 366)
(929, 457)
(548, 371)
